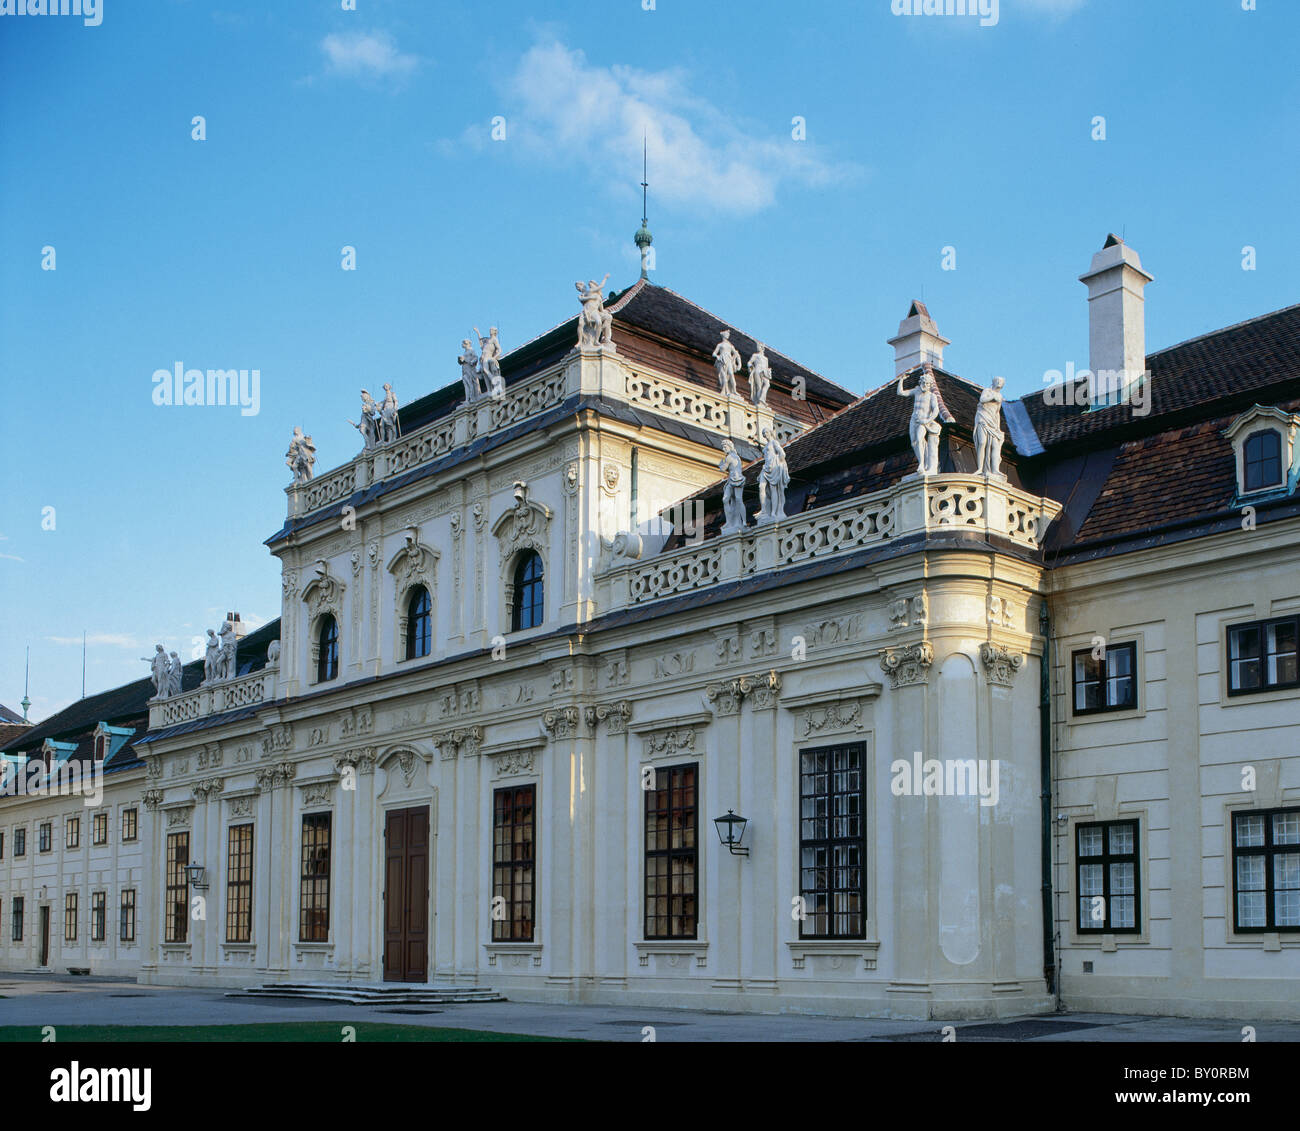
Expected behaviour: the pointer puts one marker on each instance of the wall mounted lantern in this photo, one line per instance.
(731, 831)
(197, 876)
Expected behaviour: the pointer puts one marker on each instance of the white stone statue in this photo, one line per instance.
(773, 480)
(733, 506)
(489, 362)
(158, 671)
(211, 658)
(469, 372)
(988, 431)
(175, 671)
(925, 426)
(727, 361)
(760, 376)
(226, 657)
(301, 456)
(595, 323)
(369, 423)
(273, 654)
(389, 428)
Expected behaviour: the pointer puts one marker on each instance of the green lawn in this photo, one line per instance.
(318, 1031)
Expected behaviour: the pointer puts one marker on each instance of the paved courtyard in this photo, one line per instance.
(39, 1000)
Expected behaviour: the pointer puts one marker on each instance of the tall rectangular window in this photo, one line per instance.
(1105, 681)
(239, 884)
(130, 824)
(98, 915)
(314, 888)
(126, 916)
(1262, 655)
(44, 837)
(832, 842)
(70, 916)
(16, 919)
(1106, 868)
(2, 846)
(513, 857)
(72, 832)
(672, 853)
(99, 829)
(1266, 870)
(20, 842)
(178, 888)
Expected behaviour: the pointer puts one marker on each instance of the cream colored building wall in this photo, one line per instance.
(43, 879)
(1176, 764)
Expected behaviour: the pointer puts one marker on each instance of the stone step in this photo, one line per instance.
(389, 993)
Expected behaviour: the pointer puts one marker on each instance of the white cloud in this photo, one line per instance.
(370, 54)
(566, 109)
(12, 557)
(1051, 7)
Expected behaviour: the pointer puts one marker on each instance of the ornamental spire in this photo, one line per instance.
(643, 238)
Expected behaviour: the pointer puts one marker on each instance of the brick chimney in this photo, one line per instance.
(1117, 350)
(918, 341)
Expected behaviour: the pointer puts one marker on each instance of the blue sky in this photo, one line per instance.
(372, 129)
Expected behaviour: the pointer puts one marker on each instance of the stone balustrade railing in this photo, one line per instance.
(588, 372)
(962, 502)
(214, 699)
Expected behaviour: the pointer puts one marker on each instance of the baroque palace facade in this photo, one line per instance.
(999, 735)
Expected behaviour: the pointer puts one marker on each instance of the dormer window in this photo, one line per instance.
(1262, 460)
(1264, 444)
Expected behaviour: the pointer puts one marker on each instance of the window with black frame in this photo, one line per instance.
(239, 884)
(1266, 870)
(419, 624)
(20, 842)
(1262, 460)
(43, 837)
(16, 919)
(1262, 655)
(72, 832)
(1107, 875)
(70, 916)
(327, 654)
(832, 842)
(98, 915)
(130, 824)
(177, 891)
(672, 853)
(1105, 679)
(514, 851)
(126, 916)
(314, 886)
(529, 592)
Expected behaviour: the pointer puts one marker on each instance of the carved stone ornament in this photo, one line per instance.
(906, 666)
(615, 715)
(669, 742)
(278, 739)
(324, 592)
(362, 759)
(357, 722)
(272, 777)
(208, 788)
(561, 722)
(459, 742)
(824, 718)
(1000, 664)
(242, 806)
(523, 526)
(514, 762)
(152, 799)
(413, 563)
(179, 816)
(726, 697)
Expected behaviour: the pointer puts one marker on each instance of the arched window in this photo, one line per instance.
(528, 603)
(1263, 458)
(327, 655)
(419, 624)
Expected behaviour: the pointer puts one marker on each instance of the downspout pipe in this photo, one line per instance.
(1045, 798)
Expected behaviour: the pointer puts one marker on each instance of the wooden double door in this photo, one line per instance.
(406, 895)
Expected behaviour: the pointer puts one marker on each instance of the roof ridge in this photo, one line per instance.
(1224, 329)
(766, 344)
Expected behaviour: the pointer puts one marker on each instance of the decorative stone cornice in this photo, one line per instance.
(762, 690)
(670, 742)
(458, 742)
(561, 722)
(513, 762)
(278, 739)
(909, 665)
(356, 723)
(615, 715)
(178, 815)
(208, 788)
(1000, 664)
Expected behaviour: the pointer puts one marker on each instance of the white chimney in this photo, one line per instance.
(918, 341)
(240, 630)
(1117, 343)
